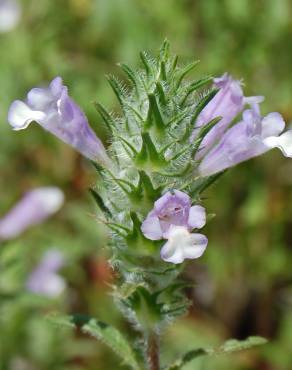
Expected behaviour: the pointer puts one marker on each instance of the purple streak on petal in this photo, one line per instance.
(227, 103)
(32, 209)
(56, 112)
(44, 279)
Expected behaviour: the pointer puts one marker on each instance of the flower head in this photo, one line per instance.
(10, 12)
(173, 218)
(44, 279)
(227, 103)
(252, 136)
(56, 112)
(32, 209)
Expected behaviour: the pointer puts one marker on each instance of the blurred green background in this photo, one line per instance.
(244, 281)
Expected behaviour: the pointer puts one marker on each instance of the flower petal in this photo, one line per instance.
(182, 245)
(151, 227)
(32, 209)
(283, 142)
(39, 99)
(272, 125)
(197, 217)
(20, 115)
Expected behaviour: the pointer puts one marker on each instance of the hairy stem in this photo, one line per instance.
(153, 351)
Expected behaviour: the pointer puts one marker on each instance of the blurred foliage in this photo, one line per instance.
(244, 281)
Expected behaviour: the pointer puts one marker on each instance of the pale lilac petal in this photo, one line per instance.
(197, 217)
(56, 86)
(56, 112)
(10, 13)
(50, 285)
(245, 140)
(39, 99)
(20, 115)
(283, 142)
(163, 201)
(33, 208)
(196, 246)
(172, 209)
(227, 103)
(183, 245)
(53, 260)
(44, 279)
(272, 125)
(151, 227)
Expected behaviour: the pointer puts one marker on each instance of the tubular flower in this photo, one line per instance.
(32, 209)
(173, 218)
(56, 112)
(252, 136)
(227, 103)
(44, 279)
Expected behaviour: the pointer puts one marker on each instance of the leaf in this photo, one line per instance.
(184, 71)
(99, 201)
(103, 332)
(112, 338)
(234, 345)
(189, 356)
(230, 346)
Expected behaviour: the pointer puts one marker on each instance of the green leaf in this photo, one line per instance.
(99, 201)
(230, 346)
(195, 86)
(183, 72)
(103, 332)
(112, 338)
(204, 130)
(189, 356)
(108, 120)
(234, 345)
(154, 115)
(132, 76)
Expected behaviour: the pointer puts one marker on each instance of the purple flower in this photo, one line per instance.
(56, 112)
(33, 208)
(10, 12)
(252, 136)
(44, 279)
(227, 103)
(173, 218)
